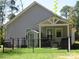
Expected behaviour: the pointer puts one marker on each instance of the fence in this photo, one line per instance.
(21, 43)
(34, 43)
(29, 43)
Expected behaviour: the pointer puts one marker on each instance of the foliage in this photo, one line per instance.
(77, 12)
(72, 18)
(1, 20)
(72, 14)
(12, 7)
(11, 16)
(65, 11)
(2, 35)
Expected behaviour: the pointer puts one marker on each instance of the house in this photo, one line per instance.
(39, 25)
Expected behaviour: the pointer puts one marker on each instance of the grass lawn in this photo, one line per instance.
(39, 53)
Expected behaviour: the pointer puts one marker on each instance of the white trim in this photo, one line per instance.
(54, 19)
(57, 21)
(48, 18)
(64, 20)
(54, 25)
(50, 21)
(39, 37)
(61, 20)
(68, 38)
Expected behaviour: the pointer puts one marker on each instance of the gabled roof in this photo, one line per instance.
(54, 20)
(25, 10)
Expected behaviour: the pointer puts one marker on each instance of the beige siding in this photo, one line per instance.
(17, 29)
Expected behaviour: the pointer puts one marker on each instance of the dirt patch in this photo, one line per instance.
(69, 57)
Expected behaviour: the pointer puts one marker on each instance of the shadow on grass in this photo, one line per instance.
(20, 51)
(9, 52)
(30, 50)
(15, 51)
(35, 50)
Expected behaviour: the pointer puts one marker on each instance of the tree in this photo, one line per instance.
(65, 11)
(77, 12)
(76, 9)
(2, 18)
(11, 16)
(72, 18)
(2, 35)
(69, 13)
(2, 7)
(12, 7)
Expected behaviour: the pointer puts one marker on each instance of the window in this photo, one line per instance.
(58, 32)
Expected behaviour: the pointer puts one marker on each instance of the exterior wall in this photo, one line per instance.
(17, 29)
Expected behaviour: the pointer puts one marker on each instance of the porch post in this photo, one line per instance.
(68, 38)
(39, 36)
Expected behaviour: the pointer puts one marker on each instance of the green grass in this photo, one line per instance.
(39, 53)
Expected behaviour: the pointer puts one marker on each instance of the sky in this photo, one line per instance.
(49, 4)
